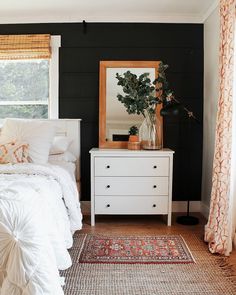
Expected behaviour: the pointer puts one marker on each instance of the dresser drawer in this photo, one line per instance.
(136, 186)
(131, 205)
(124, 166)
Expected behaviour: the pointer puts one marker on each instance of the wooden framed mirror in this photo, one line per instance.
(114, 121)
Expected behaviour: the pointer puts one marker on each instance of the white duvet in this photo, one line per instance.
(39, 211)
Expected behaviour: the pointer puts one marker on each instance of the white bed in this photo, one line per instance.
(39, 212)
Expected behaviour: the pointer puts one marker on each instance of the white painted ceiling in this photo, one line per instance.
(34, 11)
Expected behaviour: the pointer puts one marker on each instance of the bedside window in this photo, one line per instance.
(24, 88)
(29, 86)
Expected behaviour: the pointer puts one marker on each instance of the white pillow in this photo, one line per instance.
(37, 134)
(64, 157)
(60, 145)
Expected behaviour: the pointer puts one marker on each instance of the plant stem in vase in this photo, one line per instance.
(151, 132)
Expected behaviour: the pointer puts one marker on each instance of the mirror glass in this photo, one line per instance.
(118, 121)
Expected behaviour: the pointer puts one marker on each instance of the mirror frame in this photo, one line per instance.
(102, 98)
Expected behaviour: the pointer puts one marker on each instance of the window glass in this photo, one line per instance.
(24, 88)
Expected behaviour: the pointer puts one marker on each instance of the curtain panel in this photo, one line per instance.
(218, 230)
(36, 46)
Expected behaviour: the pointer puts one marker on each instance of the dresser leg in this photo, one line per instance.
(92, 220)
(169, 219)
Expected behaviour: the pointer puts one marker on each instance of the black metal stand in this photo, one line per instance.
(175, 109)
(187, 219)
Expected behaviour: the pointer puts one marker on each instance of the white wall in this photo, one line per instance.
(211, 93)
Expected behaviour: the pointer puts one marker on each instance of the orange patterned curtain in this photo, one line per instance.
(218, 231)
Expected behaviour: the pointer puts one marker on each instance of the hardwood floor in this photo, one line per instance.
(144, 225)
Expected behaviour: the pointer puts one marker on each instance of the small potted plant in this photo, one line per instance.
(133, 134)
(133, 143)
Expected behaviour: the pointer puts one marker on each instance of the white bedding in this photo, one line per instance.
(70, 167)
(39, 211)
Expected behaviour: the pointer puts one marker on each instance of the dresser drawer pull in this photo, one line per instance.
(154, 205)
(108, 186)
(108, 166)
(108, 205)
(154, 167)
(154, 186)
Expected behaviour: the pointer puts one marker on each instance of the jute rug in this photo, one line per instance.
(210, 275)
(135, 249)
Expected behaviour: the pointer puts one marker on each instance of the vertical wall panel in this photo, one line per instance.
(179, 45)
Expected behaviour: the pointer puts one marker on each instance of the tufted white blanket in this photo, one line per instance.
(39, 211)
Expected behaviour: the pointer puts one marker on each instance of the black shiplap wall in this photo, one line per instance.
(179, 45)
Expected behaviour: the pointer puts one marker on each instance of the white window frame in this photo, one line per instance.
(53, 100)
(53, 104)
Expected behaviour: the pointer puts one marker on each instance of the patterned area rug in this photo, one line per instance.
(210, 275)
(126, 249)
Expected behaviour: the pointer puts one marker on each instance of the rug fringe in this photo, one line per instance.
(82, 245)
(228, 269)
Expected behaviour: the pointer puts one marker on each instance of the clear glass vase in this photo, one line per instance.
(150, 132)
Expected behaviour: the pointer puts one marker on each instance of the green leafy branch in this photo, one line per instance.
(141, 94)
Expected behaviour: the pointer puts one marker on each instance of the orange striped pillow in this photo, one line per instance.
(13, 152)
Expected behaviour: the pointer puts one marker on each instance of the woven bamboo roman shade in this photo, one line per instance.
(25, 46)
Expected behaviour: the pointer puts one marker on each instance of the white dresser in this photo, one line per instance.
(131, 182)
